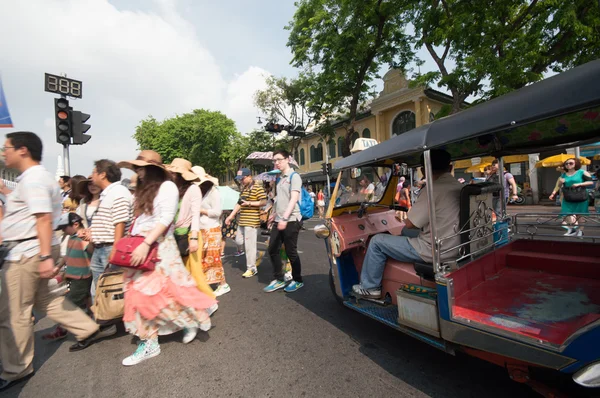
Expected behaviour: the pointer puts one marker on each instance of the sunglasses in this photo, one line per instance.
(570, 163)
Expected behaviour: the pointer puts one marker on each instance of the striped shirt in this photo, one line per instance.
(114, 208)
(250, 215)
(36, 193)
(77, 259)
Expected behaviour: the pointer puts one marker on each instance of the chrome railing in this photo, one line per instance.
(553, 226)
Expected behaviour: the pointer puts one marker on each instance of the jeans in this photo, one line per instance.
(497, 205)
(380, 248)
(289, 238)
(99, 264)
(246, 237)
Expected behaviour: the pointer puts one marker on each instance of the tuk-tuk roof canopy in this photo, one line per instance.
(561, 111)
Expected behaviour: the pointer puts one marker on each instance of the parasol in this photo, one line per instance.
(266, 158)
(478, 168)
(229, 197)
(559, 160)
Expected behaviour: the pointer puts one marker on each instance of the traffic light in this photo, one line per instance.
(329, 168)
(274, 127)
(326, 167)
(79, 127)
(62, 115)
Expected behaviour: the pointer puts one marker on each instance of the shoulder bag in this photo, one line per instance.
(125, 247)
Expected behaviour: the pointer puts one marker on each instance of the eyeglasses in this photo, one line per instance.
(278, 160)
(570, 163)
(4, 148)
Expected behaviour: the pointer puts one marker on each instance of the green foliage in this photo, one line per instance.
(505, 43)
(203, 137)
(345, 43)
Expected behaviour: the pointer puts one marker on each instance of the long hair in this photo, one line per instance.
(147, 188)
(182, 184)
(205, 187)
(74, 195)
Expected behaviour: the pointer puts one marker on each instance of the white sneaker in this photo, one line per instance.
(570, 232)
(579, 234)
(146, 349)
(359, 291)
(222, 289)
(206, 325)
(189, 334)
(212, 309)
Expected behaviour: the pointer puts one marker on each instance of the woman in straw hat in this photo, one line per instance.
(187, 222)
(210, 228)
(166, 299)
(90, 198)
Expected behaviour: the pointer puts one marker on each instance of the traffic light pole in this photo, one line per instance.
(67, 160)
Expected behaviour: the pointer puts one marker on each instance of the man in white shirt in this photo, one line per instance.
(415, 245)
(32, 212)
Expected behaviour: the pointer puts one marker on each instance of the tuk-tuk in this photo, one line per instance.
(517, 293)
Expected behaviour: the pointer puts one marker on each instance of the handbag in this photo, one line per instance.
(109, 302)
(125, 247)
(183, 244)
(8, 245)
(575, 194)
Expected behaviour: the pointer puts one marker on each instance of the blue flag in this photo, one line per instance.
(5, 120)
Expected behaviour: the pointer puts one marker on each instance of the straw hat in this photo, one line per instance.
(203, 176)
(183, 167)
(145, 158)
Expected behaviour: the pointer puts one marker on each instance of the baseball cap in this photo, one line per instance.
(68, 219)
(243, 172)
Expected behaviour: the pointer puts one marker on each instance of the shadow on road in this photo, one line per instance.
(429, 370)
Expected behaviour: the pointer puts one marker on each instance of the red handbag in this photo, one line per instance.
(126, 245)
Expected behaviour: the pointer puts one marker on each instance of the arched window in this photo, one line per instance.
(340, 146)
(353, 138)
(312, 154)
(319, 153)
(404, 122)
(301, 160)
(366, 133)
(331, 148)
(296, 157)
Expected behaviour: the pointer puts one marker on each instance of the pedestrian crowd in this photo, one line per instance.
(145, 251)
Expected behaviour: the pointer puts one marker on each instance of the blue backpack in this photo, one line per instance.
(307, 207)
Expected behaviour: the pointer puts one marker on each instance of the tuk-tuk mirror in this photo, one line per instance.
(355, 172)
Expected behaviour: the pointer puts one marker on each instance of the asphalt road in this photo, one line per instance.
(302, 344)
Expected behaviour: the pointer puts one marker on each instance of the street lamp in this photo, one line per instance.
(259, 120)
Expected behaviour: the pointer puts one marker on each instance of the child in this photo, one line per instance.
(77, 272)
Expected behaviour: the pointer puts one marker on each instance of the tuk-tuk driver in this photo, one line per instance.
(415, 243)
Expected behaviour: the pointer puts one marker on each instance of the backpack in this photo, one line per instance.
(307, 207)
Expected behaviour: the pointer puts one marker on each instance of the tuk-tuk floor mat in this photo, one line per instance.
(387, 314)
(546, 307)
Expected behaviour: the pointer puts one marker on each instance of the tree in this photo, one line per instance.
(508, 43)
(202, 137)
(346, 42)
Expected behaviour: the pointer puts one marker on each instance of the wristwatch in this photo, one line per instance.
(44, 258)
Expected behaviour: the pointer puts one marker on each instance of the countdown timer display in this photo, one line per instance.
(63, 85)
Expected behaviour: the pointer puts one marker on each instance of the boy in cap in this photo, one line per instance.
(77, 271)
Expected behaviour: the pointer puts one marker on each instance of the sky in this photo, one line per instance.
(138, 58)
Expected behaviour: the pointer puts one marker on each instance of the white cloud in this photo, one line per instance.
(132, 64)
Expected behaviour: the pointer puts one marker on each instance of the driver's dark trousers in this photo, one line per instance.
(288, 237)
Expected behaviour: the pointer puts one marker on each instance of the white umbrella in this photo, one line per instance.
(266, 158)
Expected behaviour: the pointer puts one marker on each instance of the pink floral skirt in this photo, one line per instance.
(165, 300)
